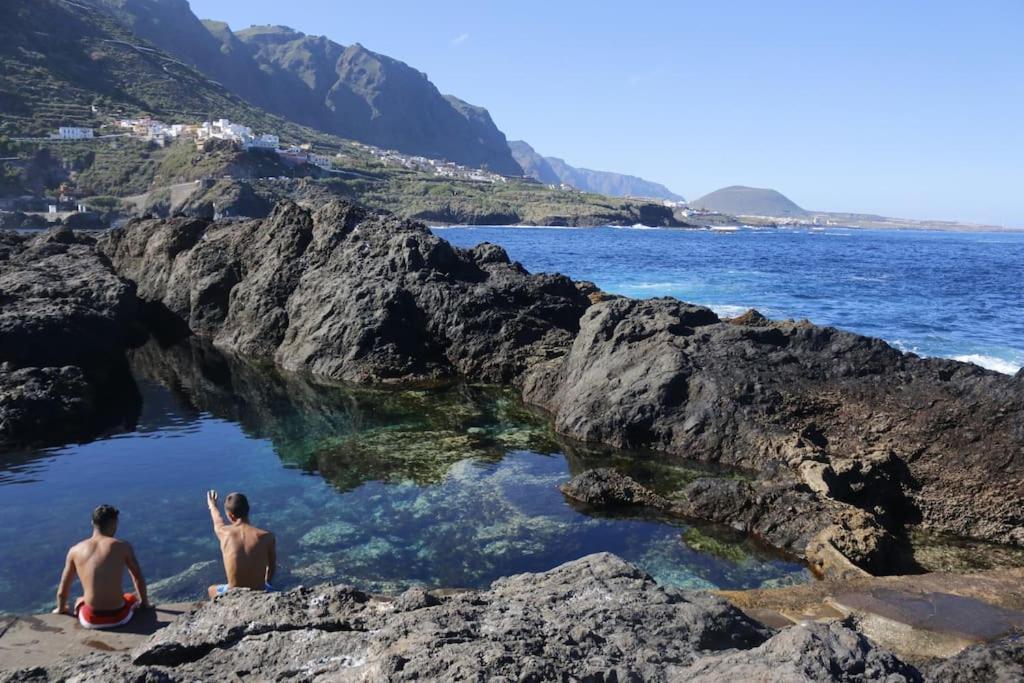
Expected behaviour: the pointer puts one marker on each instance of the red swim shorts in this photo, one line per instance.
(109, 618)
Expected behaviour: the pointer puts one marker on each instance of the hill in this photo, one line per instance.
(738, 200)
(552, 170)
(348, 91)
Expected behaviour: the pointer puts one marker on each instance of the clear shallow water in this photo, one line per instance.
(383, 489)
(955, 295)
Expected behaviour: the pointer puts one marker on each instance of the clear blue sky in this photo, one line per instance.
(907, 108)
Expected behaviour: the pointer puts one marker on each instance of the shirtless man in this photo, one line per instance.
(99, 562)
(250, 554)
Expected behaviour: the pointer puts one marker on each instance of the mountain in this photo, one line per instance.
(351, 91)
(554, 171)
(65, 63)
(738, 200)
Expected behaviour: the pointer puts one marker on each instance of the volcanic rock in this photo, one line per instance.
(350, 295)
(907, 439)
(65, 319)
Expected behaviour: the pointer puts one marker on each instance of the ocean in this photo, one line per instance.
(949, 294)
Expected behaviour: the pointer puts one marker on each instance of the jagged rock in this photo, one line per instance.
(350, 295)
(999, 662)
(908, 439)
(805, 652)
(751, 318)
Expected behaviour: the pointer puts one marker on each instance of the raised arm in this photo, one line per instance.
(271, 557)
(137, 578)
(64, 588)
(218, 521)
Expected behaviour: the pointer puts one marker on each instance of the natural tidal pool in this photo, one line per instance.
(384, 489)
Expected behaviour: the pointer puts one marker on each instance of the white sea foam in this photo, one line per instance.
(728, 310)
(654, 285)
(990, 362)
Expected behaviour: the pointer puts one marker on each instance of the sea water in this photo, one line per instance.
(950, 294)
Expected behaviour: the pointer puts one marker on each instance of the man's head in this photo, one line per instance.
(104, 519)
(237, 506)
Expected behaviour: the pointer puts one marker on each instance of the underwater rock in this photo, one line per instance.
(333, 534)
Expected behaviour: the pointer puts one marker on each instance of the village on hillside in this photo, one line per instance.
(158, 132)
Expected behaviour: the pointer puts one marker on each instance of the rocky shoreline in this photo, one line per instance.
(594, 619)
(848, 442)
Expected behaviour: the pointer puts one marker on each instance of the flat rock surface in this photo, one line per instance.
(919, 617)
(41, 640)
(928, 611)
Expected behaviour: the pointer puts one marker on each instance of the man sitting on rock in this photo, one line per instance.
(99, 562)
(250, 554)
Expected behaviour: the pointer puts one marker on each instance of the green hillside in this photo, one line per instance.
(738, 200)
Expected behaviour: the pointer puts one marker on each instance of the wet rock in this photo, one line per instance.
(605, 486)
(350, 295)
(805, 652)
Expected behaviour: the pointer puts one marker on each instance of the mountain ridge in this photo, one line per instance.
(555, 171)
(348, 91)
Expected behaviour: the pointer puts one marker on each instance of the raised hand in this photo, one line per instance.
(211, 498)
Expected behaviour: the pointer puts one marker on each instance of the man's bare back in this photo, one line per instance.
(99, 562)
(249, 553)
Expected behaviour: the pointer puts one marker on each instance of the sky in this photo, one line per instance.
(911, 109)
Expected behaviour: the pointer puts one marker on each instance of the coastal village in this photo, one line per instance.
(161, 133)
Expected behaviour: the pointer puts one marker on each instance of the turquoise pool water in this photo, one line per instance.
(382, 489)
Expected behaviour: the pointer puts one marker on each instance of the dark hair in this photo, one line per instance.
(104, 515)
(238, 505)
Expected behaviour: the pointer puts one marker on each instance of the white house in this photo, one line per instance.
(265, 141)
(74, 133)
(321, 160)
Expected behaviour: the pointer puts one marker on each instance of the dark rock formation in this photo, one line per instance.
(999, 661)
(65, 319)
(903, 438)
(350, 295)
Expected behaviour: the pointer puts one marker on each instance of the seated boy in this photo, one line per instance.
(99, 562)
(250, 554)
